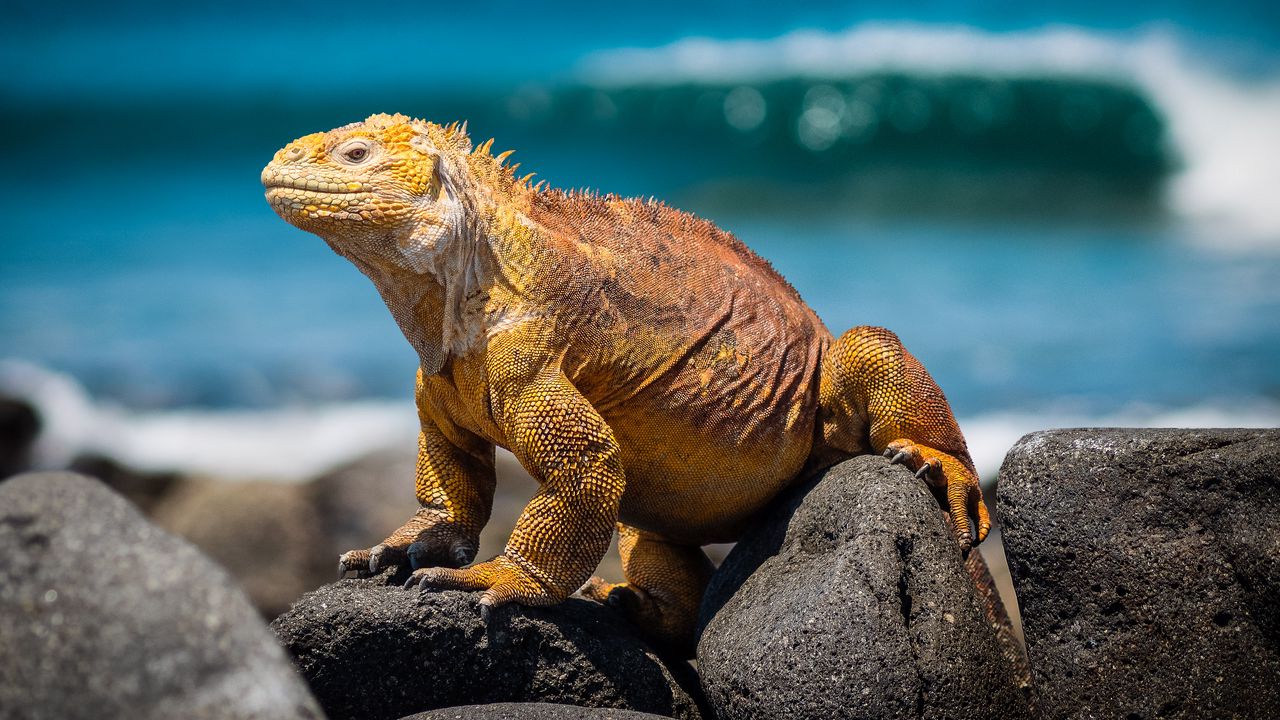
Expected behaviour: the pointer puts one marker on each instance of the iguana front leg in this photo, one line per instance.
(454, 484)
(873, 391)
(567, 446)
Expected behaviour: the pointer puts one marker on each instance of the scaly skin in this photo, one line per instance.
(643, 365)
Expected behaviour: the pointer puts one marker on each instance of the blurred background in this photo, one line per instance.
(1070, 211)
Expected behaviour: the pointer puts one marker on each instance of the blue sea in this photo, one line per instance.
(1069, 211)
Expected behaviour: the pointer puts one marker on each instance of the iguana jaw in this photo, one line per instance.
(310, 204)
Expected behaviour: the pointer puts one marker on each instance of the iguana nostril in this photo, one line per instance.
(294, 153)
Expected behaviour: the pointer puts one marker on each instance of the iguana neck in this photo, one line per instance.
(436, 278)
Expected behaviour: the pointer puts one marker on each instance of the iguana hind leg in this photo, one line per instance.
(875, 396)
(664, 587)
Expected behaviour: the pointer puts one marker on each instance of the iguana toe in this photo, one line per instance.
(370, 562)
(383, 556)
(502, 579)
(463, 554)
(897, 457)
(353, 561)
(433, 578)
(620, 596)
(441, 546)
(598, 589)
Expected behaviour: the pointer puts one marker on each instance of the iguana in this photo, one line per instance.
(647, 368)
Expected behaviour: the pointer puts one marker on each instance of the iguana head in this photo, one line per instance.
(377, 189)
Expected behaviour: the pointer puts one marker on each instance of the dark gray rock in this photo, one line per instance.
(852, 600)
(529, 711)
(1148, 567)
(19, 427)
(104, 615)
(373, 650)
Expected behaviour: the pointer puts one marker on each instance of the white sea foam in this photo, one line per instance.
(291, 443)
(1225, 129)
(298, 443)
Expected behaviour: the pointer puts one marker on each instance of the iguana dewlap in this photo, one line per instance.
(648, 369)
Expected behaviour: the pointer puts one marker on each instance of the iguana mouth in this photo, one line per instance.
(317, 186)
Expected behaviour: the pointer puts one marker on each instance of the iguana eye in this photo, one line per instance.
(354, 152)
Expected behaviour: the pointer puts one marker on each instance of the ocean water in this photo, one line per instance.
(1070, 214)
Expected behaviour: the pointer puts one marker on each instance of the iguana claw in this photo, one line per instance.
(901, 457)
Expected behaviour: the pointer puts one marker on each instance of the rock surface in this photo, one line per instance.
(373, 650)
(104, 615)
(1148, 565)
(852, 600)
(529, 711)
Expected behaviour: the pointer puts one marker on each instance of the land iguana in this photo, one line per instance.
(646, 367)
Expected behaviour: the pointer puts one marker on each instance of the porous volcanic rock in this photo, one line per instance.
(852, 600)
(530, 711)
(1148, 566)
(373, 650)
(104, 615)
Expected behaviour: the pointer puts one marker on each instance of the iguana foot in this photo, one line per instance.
(628, 598)
(663, 591)
(503, 580)
(940, 470)
(669, 629)
(424, 541)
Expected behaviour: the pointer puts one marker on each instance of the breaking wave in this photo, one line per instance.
(1145, 104)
